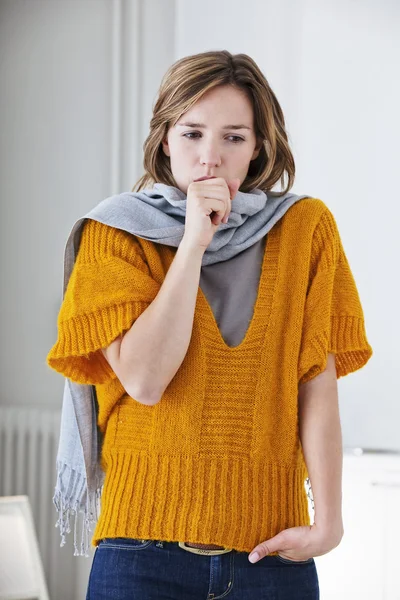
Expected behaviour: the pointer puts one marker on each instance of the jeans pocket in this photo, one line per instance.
(294, 562)
(125, 543)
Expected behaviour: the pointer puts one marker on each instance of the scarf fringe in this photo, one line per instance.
(309, 492)
(72, 499)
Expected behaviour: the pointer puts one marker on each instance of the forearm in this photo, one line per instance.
(155, 346)
(321, 438)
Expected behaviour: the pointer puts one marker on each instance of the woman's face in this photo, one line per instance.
(215, 137)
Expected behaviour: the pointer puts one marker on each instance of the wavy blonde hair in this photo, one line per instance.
(185, 82)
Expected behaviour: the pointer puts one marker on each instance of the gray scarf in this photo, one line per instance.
(158, 215)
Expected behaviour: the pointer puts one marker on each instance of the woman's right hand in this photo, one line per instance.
(208, 205)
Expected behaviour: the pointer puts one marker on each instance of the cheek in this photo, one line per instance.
(182, 151)
(242, 158)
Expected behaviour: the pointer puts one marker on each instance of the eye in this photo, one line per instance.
(236, 139)
(190, 133)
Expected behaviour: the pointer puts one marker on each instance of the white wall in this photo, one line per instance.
(55, 156)
(78, 78)
(333, 65)
(78, 82)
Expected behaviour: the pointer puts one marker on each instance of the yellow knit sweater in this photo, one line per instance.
(218, 460)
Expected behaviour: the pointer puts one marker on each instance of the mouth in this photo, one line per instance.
(205, 177)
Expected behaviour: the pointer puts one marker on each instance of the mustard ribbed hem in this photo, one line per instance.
(80, 337)
(233, 502)
(348, 341)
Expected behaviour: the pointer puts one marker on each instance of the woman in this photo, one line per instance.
(213, 317)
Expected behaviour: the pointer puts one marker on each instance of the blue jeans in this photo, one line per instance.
(134, 569)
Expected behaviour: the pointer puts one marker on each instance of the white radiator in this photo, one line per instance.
(28, 448)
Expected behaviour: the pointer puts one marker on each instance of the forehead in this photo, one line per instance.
(223, 102)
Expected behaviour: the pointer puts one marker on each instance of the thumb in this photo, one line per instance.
(265, 548)
(233, 185)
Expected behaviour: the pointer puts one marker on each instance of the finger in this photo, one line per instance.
(218, 217)
(216, 188)
(224, 214)
(215, 209)
(265, 548)
(217, 203)
(233, 186)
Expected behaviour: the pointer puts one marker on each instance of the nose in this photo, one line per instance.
(210, 157)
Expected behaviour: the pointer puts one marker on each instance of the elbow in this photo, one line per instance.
(143, 395)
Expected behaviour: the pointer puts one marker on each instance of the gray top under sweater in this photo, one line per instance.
(231, 289)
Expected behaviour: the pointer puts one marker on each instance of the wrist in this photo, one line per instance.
(191, 249)
(332, 529)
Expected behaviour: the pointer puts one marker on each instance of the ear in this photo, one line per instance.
(165, 147)
(257, 150)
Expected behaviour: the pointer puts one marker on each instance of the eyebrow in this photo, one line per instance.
(202, 126)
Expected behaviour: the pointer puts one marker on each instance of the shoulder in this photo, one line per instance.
(100, 242)
(309, 209)
(313, 217)
(312, 228)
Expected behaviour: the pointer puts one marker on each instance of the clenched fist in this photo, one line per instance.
(208, 205)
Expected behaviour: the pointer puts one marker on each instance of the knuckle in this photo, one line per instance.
(264, 548)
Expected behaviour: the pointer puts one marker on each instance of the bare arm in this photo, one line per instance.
(321, 438)
(149, 354)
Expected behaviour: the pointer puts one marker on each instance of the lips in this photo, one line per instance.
(205, 177)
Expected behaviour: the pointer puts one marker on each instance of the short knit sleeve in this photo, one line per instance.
(333, 315)
(110, 286)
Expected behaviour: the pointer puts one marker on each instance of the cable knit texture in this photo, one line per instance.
(218, 460)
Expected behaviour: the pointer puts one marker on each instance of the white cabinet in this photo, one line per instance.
(391, 547)
(366, 564)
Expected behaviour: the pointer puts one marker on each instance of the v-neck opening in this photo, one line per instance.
(267, 282)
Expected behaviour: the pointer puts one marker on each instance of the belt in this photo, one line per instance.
(205, 549)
